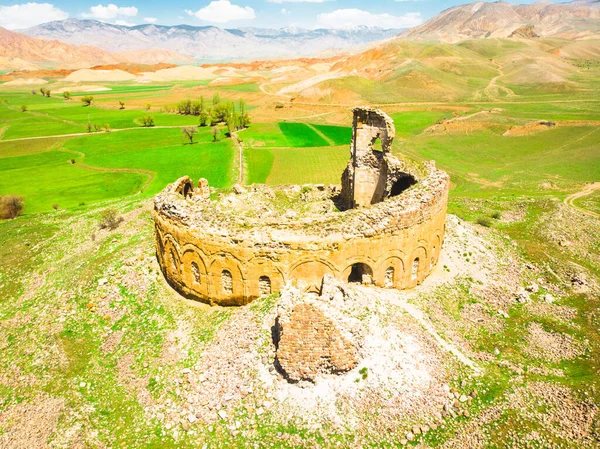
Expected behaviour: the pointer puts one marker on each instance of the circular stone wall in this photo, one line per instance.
(248, 243)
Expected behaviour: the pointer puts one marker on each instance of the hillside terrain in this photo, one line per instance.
(574, 20)
(498, 348)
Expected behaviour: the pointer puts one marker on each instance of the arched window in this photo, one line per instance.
(173, 261)
(227, 281)
(361, 273)
(415, 268)
(264, 285)
(196, 272)
(389, 277)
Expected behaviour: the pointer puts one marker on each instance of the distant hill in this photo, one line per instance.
(209, 42)
(19, 51)
(576, 20)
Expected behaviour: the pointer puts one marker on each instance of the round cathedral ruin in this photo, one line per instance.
(384, 226)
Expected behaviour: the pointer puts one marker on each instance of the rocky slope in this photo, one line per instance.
(208, 42)
(575, 20)
(18, 47)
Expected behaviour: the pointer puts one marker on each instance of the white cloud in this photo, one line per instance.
(284, 11)
(221, 11)
(26, 15)
(348, 18)
(124, 23)
(150, 19)
(111, 11)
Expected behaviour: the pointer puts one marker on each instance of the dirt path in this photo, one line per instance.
(90, 134)
(492, 85)
(587, 190)
(327, 139)
(395, 297)
(148, 173)
(238, 144)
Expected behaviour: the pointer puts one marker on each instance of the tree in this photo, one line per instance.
(106, 127)
(43, 91)
(220, 112)
(89, 127)
(148, 106)
(33, 92)
(11, 206)
(121, 104)
(189, 132)
(87, 100)
(196, 108)
(147, 121)
(97, 127)
(67, 95)
(23, 108)
(216, 132)
(216, 99)
(204, 116)
(48, 93)
(184, 107)
(244, 118)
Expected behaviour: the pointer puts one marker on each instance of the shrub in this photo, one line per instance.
(24, 108)
(55, 206)
(485, 221)
(97, 127)
(110, 219)
(121, 105)
(67, 95)
(496, 215)
(148, 106)
(147, 121)
(72, 161)
(33, 92)
(107, 127)
(48, 93)
(11, 206)
(89, 127)
(87, 100)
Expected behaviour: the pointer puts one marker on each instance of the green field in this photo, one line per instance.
(300, 135)
(98, 356)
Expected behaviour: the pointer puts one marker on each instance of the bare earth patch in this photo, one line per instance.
(551, 346)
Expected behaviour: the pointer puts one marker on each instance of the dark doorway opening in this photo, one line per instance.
(402, 184)
(358, 271)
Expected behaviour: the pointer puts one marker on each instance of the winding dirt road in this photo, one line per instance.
(587, 190)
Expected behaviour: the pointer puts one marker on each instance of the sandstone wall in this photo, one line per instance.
(233, 270)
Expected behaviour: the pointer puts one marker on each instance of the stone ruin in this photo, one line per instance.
(385, 226)
(313, 336)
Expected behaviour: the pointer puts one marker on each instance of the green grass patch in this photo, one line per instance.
(300, 135)
(308, 165)
(340, 135)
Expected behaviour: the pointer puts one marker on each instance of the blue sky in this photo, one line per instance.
(232, 13)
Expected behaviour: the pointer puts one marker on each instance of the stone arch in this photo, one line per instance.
(397, 265)
(436, 246)
(310, 272)
(360, 265)
(226, 262)
(193, 270)
(264, 285)
(171, 258)
(359, 272)
(419, 255)
(258, 267)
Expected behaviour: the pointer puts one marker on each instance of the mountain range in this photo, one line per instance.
(579, 19)
(209, 43)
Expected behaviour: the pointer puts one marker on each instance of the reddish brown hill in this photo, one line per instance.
(15, 45)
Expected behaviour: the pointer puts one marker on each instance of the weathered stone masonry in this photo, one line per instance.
(230, 251)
